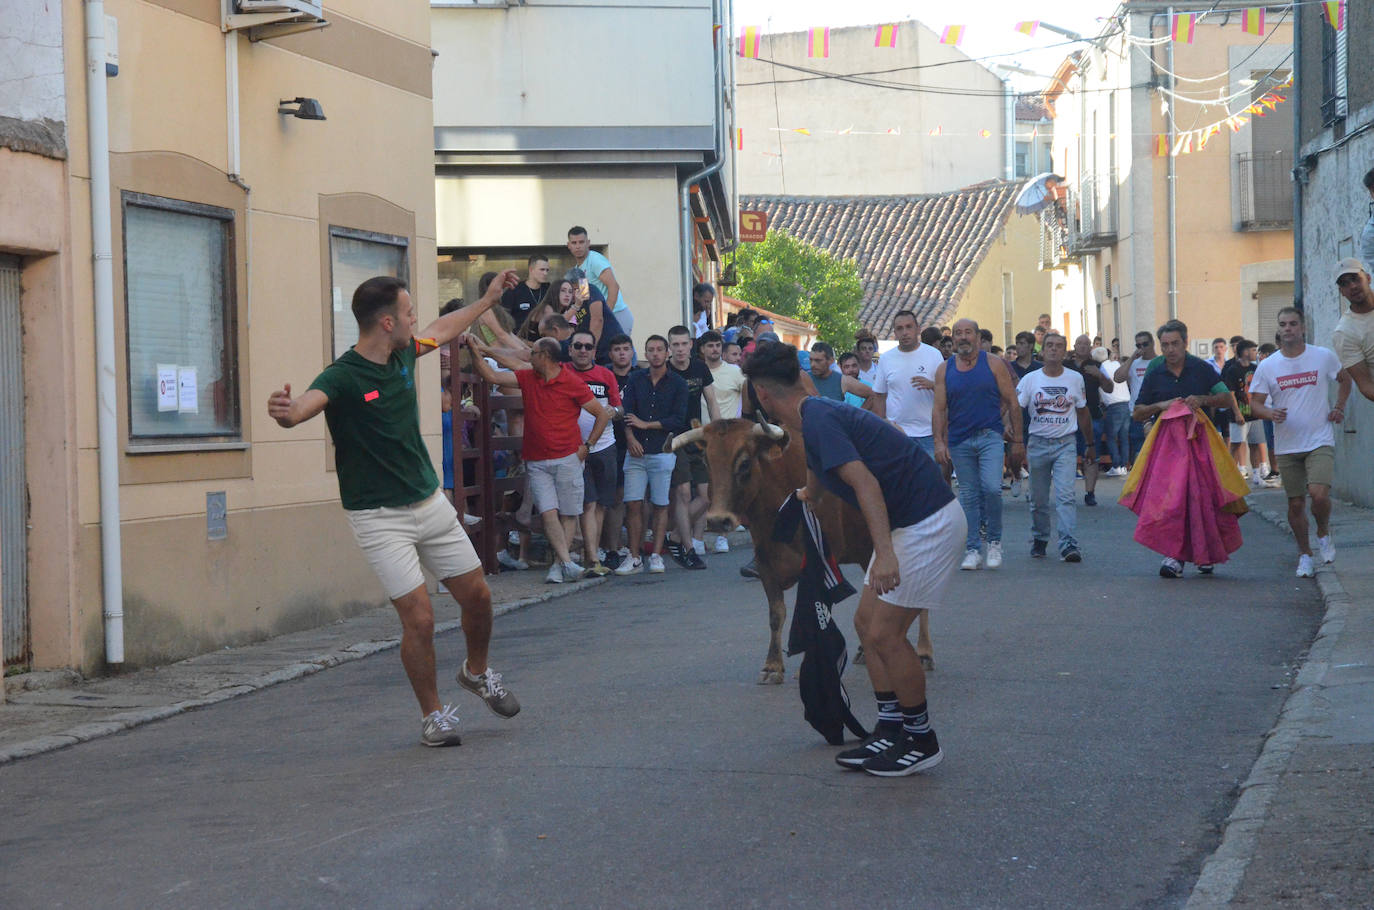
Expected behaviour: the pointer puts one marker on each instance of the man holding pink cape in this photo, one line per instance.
(1184, 487)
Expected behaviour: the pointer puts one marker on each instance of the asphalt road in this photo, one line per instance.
(1096, 721)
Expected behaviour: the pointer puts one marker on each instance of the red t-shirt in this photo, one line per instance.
(551, 409)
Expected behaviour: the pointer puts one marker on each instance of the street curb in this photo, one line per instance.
(1224, 870)
(311, 665)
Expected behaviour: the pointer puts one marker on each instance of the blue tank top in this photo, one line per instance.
(973, 399)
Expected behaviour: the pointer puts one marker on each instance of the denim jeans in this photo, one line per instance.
(1137, 436)
(1052, 460)
(978, 462)
(1118, 420)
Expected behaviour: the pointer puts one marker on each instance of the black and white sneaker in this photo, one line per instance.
(878, 742)
(677, 551)
(907, 755)
(1170, 568)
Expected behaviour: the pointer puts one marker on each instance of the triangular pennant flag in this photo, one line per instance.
(739, 139)
(1334, 13)
(1028, 28)
(803, 130)
(1184, 144)
(954, 34)
(1269, 102)
(937, 131)
(1161, 145)
(895, 131)
(1183, 27)
(750, 40)
(886, 37)
(985, 133)
(1252, 21)
(818, 45)
(1237, 122)
(846, 131)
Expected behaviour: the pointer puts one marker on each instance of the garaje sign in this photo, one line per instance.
(753, 227)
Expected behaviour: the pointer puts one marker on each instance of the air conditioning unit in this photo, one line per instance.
(298, 7)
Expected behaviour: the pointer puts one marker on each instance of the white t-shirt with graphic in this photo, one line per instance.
(1052, 401)
(908, 406)
(1136, 375)
(1300, 385)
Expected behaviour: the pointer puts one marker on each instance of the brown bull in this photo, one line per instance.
(753, 470)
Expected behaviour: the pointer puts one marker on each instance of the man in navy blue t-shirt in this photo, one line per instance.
(918, 532)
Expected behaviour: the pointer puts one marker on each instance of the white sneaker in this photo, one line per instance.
(1327, 549)
(972, 560)
(1305, 569)
(600, 554)
(655, 564)
(555, 576)
(995, 555)
(1256, 481)
(630, 566)
(624, 553)
(572, 571)
(1016, 488)
(722, 545)
(511, 562)
(699, 546)
(514, 537)
(1244, 471)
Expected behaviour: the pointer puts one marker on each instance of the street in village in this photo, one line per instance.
(1097, 722)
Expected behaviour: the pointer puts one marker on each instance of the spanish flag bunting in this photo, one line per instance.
(1184, 24)
(1252, 21)
(886, 37)
(1237, 122)
(954, 34)
(1334, 13)
(818, 45)
(750, 40)
(739, 139)
(1202, 138)
(985, 133)
(1184, 144)
(894, 131)
(937, 131)
(1269, 102)
(846, 131)
(1161, 145)
(1028, 28)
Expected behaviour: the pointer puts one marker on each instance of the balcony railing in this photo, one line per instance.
(1092, 214)
(1264, 191)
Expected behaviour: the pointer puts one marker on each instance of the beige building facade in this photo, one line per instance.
(238, 232)
(536, 129)
(1232, 220)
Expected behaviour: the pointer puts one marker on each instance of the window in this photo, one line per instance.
(354, 257)
(179, 300)
(1023, 162)
(1333, 70)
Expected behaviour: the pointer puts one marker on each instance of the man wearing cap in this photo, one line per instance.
(1353, 340)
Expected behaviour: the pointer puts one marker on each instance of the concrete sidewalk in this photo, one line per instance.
(51, 710)
(1302, 831)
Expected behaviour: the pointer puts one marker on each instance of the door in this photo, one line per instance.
(13, 489)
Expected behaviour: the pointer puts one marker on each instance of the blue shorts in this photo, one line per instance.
(652, 474)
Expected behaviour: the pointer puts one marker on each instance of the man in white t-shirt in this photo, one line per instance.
(727, 378)
(1132, 372)
(1290, 388)
(1058, 406)
(1353, 338)
(905, 386)
(866, 349)
(1116, 415)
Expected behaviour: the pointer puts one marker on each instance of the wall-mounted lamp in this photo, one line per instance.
(301, 108)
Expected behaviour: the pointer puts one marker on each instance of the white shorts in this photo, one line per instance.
(928, 556)
(397, 540)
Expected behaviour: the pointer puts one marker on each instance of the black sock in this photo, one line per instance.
(889, 715)
(915, 721)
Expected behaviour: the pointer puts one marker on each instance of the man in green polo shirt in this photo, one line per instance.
(391, 494)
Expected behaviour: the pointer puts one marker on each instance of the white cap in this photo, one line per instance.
(1350, 267)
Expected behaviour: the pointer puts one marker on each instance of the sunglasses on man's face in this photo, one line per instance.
(1142, 344)
(582, 346)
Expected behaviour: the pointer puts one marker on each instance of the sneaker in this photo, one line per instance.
(972, 560)
(600, 554)
(1170, 568)
(555, 576)
(722, 545)
(994, 560)
(440, 728)
(699, 547)
(624, 553)
(676, 551)
(1273, 482)
(1089, 499)
(1039, 548)
(1256, 481)
(1206, 568)
(491, 690)
(907, 755)
(511, 562)
(513, 537)
(1071, 554)
(692, 561)
(572, 571)
(612, 560)
(1305, 569)
(471, 521)
(1016, 488)
(655, 564)
(596, 570)
(750, 569)
(1327, 548)
(878, 742)
(631, 566)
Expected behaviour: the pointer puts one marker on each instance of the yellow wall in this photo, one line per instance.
(1015, 251)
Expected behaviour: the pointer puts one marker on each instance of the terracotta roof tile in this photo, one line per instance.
(914, 253)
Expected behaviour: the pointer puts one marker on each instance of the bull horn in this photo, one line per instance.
(771, 430)
(683, 439)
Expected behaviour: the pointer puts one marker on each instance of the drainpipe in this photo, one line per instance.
(685, 189)
(102, 277)
(1299, 169)
(1009, 119)
(1173, 179)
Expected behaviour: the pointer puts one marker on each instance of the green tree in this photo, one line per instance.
(795, 279)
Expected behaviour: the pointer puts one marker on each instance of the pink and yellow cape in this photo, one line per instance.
(1186, 490)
